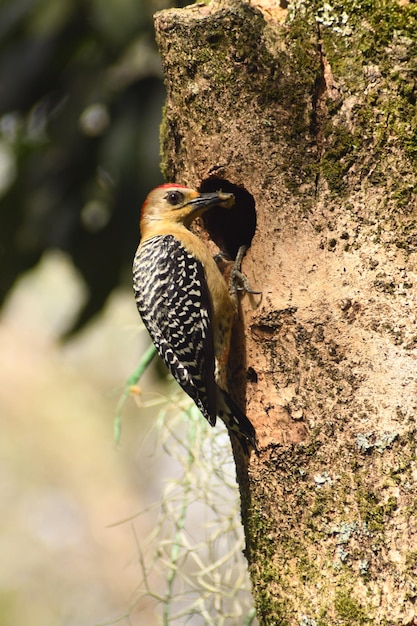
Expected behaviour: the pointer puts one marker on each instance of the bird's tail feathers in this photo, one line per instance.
(236, 421)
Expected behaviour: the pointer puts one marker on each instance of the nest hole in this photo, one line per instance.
(234, 227)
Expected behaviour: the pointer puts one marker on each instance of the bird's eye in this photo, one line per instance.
(174, 197)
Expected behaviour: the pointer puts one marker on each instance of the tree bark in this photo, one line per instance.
(308, 114)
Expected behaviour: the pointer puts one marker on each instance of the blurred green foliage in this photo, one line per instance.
(81, 94)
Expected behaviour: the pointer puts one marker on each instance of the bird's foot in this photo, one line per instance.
(238, 281)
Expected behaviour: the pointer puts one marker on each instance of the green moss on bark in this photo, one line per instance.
(371, 48)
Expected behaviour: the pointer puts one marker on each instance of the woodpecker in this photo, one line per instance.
(185, 303)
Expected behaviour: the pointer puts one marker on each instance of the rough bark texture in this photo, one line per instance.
(308, 114)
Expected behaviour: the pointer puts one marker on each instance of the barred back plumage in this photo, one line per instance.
(175, 307)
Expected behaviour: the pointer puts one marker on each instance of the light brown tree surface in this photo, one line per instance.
(307, 112)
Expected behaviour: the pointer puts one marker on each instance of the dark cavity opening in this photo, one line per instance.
(234, 227)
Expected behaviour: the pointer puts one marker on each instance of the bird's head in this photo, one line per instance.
(175, 204)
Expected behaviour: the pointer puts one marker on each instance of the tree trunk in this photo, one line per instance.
(307, 114)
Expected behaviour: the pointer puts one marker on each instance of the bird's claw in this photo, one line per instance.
(238, 281)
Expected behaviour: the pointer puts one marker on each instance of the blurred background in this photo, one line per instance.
(81, 96)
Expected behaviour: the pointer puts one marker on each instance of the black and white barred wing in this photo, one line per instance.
(175, 307)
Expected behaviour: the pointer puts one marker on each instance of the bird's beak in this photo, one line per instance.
(207, 200)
